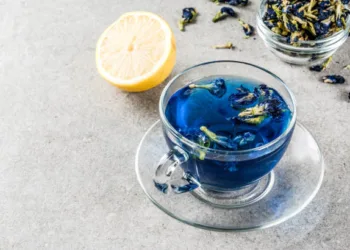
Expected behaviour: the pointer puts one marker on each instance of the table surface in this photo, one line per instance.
(68, 139)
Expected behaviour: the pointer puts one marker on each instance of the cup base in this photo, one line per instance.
(278, 196)
(239, 198)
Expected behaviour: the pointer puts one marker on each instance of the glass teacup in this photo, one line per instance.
(239, 175)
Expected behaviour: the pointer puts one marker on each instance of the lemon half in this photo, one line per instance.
(137, 52)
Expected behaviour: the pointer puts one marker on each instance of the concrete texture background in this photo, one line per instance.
(68, 139)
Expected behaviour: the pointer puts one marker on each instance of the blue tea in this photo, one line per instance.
(226, 113)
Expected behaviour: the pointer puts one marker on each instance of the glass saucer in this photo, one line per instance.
(294, 182)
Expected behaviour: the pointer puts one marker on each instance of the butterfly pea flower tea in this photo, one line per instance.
(233, 114)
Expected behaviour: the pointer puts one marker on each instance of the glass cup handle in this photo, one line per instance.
(165, 170)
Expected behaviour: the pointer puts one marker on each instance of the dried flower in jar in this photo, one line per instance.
(216, 88)
(301, 20)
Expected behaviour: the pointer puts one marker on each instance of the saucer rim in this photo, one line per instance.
(229, 229)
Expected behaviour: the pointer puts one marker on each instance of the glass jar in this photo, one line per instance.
(307, 52)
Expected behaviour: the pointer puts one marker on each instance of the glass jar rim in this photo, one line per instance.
(192, 144)
(334, 37)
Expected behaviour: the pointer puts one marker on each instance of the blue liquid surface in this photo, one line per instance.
(219, 111)
(189, 109)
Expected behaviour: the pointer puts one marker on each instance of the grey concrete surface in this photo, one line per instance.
(68, 139)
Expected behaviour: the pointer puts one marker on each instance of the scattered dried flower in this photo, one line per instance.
(248, 29)
(333, 79)
(321, 67)
(223, 13)
(228, 45)
(188, 16)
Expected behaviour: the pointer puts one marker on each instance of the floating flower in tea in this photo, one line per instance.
(216, 88)
(223, 141)
(242, 97)
(255, 115)
(220, 121)
(260, 112)
(263, 92)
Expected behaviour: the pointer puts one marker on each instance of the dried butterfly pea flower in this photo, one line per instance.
(232, 2)
(288, 24)
(255, 115)
(295, 37)
(188, 16)
(228, 45)
(271, 23)
(324, 3)
(219, 1)
(322, 66)
(324, 14)
(333, 79)
(313, 19)
(243, 97)
(338, 13)
(260, 112)
(216, 88)
(273, 1)
(223, 13)
(312, 3)
(223, 141)
(322, 28)
(311, 28)
(238, 2)
(248, 29)
(297, 20)
(279, 31)
(263, 92)
(270, 13)
(272, 107)
(200, 138)
(291, 8)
